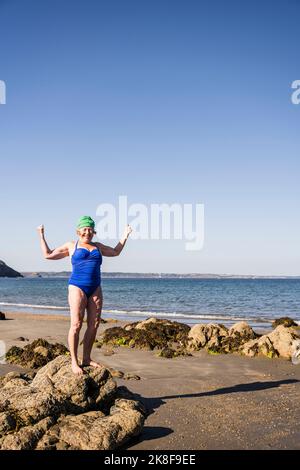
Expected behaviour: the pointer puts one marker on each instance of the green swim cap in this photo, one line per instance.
(85, 221)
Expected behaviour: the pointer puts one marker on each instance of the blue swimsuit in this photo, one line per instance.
(86, 269)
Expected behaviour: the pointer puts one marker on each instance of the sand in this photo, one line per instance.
(195, 403)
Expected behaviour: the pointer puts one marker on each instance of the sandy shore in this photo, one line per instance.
(198, 402)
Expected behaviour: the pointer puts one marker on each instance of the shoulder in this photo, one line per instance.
(100, 245)
(70, 246)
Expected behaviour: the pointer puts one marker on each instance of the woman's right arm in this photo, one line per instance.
(57, 253)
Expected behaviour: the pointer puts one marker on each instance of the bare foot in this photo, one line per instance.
(76, 369)
(91, 363)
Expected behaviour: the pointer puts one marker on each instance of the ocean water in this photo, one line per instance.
(191, 301)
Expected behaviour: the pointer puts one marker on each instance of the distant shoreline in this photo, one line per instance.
(124, 275)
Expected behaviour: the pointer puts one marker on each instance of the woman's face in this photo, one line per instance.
(86, 234)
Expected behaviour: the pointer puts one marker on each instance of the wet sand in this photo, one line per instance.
(195, 403)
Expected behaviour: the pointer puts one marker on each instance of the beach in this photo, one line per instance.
(199, 402)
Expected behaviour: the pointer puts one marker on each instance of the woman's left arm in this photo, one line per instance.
(109, 250)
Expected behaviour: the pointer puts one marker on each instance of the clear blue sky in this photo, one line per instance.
(163, 101)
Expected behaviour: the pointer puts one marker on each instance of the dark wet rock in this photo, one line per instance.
(238, 334)
(285, 321)
(6, 271)
(169, 353)
(16, 376)
(60, 410)
(116, 373)
(7, 423)
(36, 354)
(2, 316)
(130, 376)
(149, 334)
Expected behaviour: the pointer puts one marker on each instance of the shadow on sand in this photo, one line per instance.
(152, 403)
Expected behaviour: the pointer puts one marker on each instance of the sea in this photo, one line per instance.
(187, 300)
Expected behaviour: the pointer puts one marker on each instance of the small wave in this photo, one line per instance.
(146, 313)
(51, 307)
(184, 315)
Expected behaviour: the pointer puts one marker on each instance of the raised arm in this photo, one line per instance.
(57, 253)
(109, 250)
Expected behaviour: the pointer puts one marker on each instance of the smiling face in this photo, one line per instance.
(86, 234)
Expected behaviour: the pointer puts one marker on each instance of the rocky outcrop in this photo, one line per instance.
(207, 335)
(149, 334)
(174, 339)
(278, 343)
(241, 338)
(56, 409)
(219, 339)
(36, 354)
(6, 271)
(285, 321)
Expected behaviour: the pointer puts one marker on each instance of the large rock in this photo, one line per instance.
(6, 271)
(150, 334)
(36, 354)
(28, 437)
(55, 409)
(218, 339)
(278, 343)
(285, 321)
(206, 335)
(94, 430)
(238, 334)
(88, 391)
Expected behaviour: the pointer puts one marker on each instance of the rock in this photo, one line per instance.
(278, 343)
(94, 431)
(2, 316)
(285, 321)
(7, 423)
(93, 389)
(149, 334)
(129, 376)
(6, 271)
(169, 353)
(116, 373)
(27, 437)
(108, 352)
(11, 376)
(206, 335)
(36, 354)
(217, 339)
(242, 329)
(60, 410)
(238, 335)
(21, 338)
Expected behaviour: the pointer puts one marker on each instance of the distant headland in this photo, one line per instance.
(6, 271)
(109, 275)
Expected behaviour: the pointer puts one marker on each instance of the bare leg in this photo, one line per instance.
(94, 307)
(77, 302)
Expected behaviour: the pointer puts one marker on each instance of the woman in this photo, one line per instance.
(84, 284)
